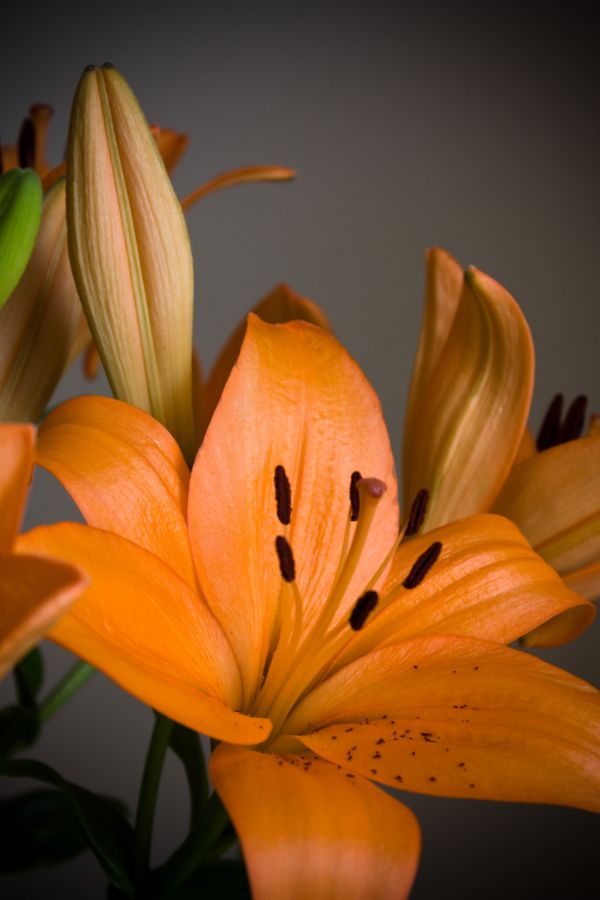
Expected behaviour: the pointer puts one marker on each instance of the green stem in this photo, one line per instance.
(196, 849)
(71, 683)
(155, 758)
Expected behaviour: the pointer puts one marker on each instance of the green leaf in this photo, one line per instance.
(107, 832)
(29, 677)
(186, 745)
(20, 214)
(37, 829)
(19, 727)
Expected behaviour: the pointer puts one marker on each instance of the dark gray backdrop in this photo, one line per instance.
(472, 126)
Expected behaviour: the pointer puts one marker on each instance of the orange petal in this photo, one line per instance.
(468, 425)
(141, 625)
(457, 717)
(527, 447)
(307, 830)
(282, 304)
(586, 580)
(34, 593)
(443, 289)
(171, 145)
(125, 472)
(487, 583)
(296, 399)
(53, 175)
(554, 497)
(16, 464)
(244, 175)
(40, 320)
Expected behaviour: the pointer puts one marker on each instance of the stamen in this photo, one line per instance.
(283, 495)
(574, 420)
(417, 513)
(354, 498)
(422, 566)
(26, 144)
(550, 427)
(287, 566)
(363, 607)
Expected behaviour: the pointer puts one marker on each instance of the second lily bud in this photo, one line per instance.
(130, 252)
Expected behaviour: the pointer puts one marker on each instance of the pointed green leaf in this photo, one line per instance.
(107, 831)
(37, 828)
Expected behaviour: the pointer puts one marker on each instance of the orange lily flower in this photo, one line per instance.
(34, 591)
(267, 600)
(465, 436)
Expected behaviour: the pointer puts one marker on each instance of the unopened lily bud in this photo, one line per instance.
(39, 322)
(20, 211)
(130, 252)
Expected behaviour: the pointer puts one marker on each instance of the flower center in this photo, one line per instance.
(303, 653)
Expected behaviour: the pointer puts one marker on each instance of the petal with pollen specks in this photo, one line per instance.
(458, 717)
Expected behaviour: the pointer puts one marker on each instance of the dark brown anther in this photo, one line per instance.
(287, 566)
(574, 420)
(417, 513)
(1, 161)
(363, 608)
(354, 498)
(283, 495)
(549, 433)
(26, 144)
(422, 565)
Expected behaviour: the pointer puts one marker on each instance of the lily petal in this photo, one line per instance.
(34, 593)
(442, 294)
(585, 580)
(465, 433)
(16, 464)
(457, 717)
(125, 472)
(282, 304)
(307, 830)
(487, 583)
(554, 497)
(171, 145)
(141, 625)
(296, 399)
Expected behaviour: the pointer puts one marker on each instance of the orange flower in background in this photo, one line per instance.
(269, 601)
(465, 437)
(34, 592)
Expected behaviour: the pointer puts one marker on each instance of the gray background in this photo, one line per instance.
(472, 126)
